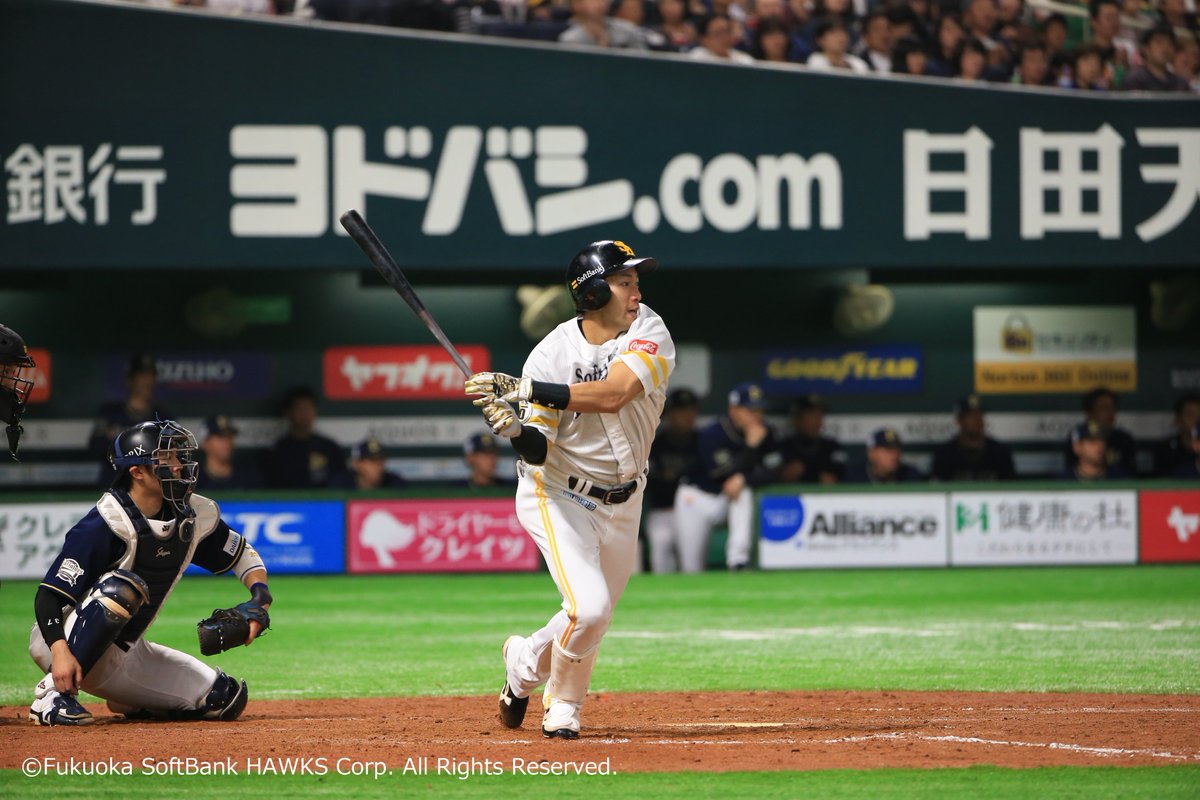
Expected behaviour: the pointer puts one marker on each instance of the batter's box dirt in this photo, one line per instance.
(709, 731)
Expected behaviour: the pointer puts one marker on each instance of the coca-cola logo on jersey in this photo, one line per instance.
(643, 346)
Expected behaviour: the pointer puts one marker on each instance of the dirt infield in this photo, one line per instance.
(715, 731)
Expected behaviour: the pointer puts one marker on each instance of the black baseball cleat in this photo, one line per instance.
(561, 733)
(59, 709)
(512, 708)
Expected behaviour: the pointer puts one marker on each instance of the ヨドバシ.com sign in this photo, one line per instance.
(468, 535)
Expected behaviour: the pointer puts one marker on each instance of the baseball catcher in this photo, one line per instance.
(117, 567)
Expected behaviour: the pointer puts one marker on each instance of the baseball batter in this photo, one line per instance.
(117, 567)
(590, 396)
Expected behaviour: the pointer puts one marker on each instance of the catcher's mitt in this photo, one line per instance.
(230, 627)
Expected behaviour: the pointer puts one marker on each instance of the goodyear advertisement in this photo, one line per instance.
(884, 369)
(1055, 349)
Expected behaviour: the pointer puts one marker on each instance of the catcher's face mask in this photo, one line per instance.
(174, 464)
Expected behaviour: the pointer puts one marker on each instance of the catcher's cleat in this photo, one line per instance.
(59, 709)
(512, 708)
(561, 720)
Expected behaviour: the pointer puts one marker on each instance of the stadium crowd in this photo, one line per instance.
(1107, 45)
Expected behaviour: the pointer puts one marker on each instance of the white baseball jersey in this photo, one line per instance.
(606, 449)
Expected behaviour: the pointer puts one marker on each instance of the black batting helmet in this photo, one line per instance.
(585, 273)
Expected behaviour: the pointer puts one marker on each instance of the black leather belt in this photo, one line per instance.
(610, 497)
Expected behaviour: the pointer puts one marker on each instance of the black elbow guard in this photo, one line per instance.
(531, 445)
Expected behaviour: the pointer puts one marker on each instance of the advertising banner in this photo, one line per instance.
(468, 535)
(410, 372)
(852, 530)
(886, 369)
(31, 534)
(1170, 526)
(199, 376)
(977, 178)
(1055, 349)
(1084, 527)
(291, 537)
(41, 375)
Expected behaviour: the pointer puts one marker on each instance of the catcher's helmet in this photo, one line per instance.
(169, 449)
(14, 389)
(585, 273)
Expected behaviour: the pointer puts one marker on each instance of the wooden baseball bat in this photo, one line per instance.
(366, 239)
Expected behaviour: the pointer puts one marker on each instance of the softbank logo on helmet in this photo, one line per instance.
(591, 273)
(321, 168)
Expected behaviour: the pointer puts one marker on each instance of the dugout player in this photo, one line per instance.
(219, 471)
(14, 388)
(884, 464)
(1089, 443)
(589, 400)
(1100, 409)
(107, 585)
(972, 455)
(809, 457)
(141, 377)
(738, 452)
(673, 455)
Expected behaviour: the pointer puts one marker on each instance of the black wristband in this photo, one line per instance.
(260, 594)
(550, 395)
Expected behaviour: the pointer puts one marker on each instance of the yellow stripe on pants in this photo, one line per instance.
(558, 567)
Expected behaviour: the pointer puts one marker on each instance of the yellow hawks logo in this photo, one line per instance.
(626, 249)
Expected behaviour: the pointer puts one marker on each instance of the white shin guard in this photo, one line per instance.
(570, 675)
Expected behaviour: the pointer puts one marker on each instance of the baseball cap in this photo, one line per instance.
(1088, 430)
(219, 425)
(681, 398)
(884, 437)
(809, 401)
(480, 443)
(142, 362)
(367, 448)
(748, 395)
(970, 402)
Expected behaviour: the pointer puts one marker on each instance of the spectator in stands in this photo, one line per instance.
(832, 40)
(979, 20)
(1106, 22)
(1176, 450)
(1033, 68)
(1154, 75)
(139, 405)
(218, 470)
(972, 455)
(673, 454)
(1190, 470)
(809, 457)
(1087, 70)
(1012, 23)
(302, 458)
(1100, 407)
(883, 464)
(970, 62)
(903, 21)
(875, 47)
(772, 41)
(1135, 19)
(634, 12)
(909, 57)
(481, 455)
(1054, 37)
(1175, 13)
(590, 25)
(819, 18)
(368, 469)
(1187, 61)
(716, 40)
(1089, 445)
(737, 453)
(947, 36)
(674, 24)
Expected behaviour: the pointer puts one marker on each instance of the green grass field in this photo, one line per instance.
(1104, 629)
